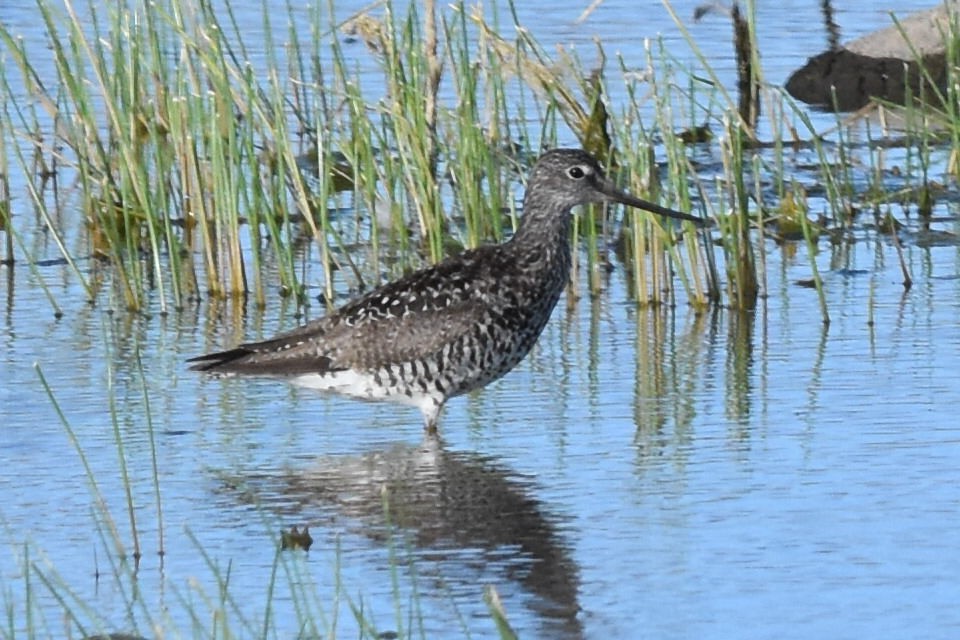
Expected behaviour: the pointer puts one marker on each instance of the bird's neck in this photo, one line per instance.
(542, 243)
(543, 221)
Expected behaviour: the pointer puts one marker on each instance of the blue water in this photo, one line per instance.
(651, 473)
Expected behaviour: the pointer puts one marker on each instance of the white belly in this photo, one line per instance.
(362, 385)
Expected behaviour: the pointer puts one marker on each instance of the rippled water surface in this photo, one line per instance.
(650, 473)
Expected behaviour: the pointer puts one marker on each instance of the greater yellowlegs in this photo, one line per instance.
(451, 327)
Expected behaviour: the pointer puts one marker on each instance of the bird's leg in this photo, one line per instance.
(431, 415)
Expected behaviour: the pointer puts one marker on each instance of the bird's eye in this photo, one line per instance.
(576, 173)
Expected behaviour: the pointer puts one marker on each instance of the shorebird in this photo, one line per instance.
(451, 327)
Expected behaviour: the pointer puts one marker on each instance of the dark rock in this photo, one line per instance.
(847, 81)
(906, 60)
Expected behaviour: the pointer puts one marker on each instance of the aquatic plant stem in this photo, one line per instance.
(100, 504)
(817, 280)
(155, 472)
(122, 458)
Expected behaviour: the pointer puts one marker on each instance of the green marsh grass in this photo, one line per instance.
(205, 169)
(185, 157)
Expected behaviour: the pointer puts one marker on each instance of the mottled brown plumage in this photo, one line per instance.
(451, 327)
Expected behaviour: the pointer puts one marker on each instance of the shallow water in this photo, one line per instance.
(645, 473)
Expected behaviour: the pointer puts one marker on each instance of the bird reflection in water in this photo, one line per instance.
(444, 502)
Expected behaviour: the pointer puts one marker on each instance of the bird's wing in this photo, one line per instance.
(373, 343)
(404, 320)
(404, 338)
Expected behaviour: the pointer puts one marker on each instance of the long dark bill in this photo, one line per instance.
(607, 188)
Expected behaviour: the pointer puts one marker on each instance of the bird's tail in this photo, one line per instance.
(221, 361)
